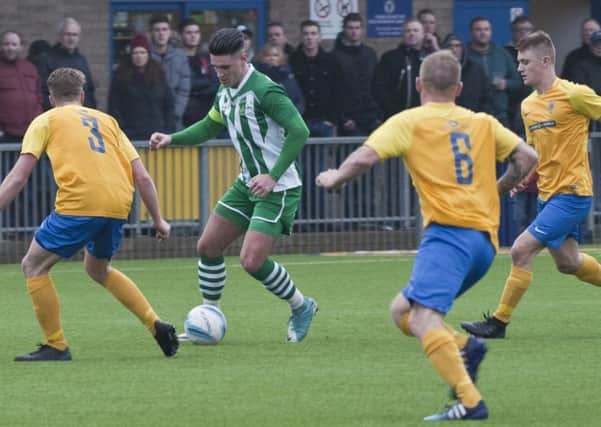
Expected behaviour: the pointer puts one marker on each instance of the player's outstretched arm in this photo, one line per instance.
(359, 162)
(522, 162)
(148, 192)
(16, 179)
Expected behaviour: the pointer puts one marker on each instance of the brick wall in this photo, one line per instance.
(36, 19)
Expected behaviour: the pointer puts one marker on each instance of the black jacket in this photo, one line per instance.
(358, 64)
(588, 72)
(321, 81)
(203, 87)
(58, 57)
(477, 91)
(282, 74)
(140, 107)
(573, 58)
(394, 79)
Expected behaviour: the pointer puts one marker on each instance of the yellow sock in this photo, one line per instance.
(126, 291)
(439, 345)
(589, 271)
(47, 310)
(460, 339)
(516, 286)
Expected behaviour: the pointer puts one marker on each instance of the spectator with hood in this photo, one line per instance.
(476, 94)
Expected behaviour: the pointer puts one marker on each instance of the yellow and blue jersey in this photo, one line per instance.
(557, 124)
(451, 154)
(91, 160)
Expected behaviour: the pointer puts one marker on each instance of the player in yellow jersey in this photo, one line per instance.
(450, 153)
(95, 168)
(556, 117)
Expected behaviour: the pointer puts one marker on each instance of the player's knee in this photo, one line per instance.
(97, 274)
(251, 262)
(27, 266)
(567, 267)
(206, 249)
(518, 255)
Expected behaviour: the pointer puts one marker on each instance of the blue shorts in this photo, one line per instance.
(64, 235)
(558, 218)
(450, 260)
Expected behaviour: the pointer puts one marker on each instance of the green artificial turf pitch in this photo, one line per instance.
(354, 368)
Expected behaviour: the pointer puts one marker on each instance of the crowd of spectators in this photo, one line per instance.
(166, 81)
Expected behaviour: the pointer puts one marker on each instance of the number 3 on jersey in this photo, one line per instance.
(464, 165)
(96, 142)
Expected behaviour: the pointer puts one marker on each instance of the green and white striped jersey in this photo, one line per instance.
(258, 139)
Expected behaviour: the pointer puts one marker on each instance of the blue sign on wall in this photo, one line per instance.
(385, 18)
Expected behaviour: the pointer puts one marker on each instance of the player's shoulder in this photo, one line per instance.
(261, 84)
(573, 90)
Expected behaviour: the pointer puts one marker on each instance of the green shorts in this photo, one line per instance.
(272, 215)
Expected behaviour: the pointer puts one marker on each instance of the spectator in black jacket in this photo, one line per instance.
(477, 91)
(431, 38)
(360, 115)
(272, 62)
(320, 79)
(394, 79)
(588, 70)
(139, 97)
(65, 53)
(588, 27)
(203, 80)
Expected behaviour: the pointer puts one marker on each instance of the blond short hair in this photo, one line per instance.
(540, 41)
(440, 71)
(66, 84)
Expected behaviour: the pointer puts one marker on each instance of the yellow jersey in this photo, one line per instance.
(557, 123)
(91, 160)
(451, 154)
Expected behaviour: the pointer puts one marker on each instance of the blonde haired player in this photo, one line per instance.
(95, 167)
(556, 117)
(451, 154)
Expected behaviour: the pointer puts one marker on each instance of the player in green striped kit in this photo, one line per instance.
(268, 134)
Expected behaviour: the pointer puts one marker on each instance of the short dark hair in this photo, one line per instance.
(275, 24)
(310, 23)
(478, 19)
(425, 12)
(521, 19)
(352, 17)
(226, 41)
(187, 22)
(159, 18)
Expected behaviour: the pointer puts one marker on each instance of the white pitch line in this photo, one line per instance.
(193, 265)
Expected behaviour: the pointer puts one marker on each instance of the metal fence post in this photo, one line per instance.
(203, 175)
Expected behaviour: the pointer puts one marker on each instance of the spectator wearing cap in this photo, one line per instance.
(588, 70)
(588, 27)
(248, 41)
(65, 53)
(174, 63)
(203, 80)
(276, 34)
(476, 93)
(20, 97)
(139, 96)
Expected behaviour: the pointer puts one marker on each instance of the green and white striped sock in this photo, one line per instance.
(276, 280)
(211, 279)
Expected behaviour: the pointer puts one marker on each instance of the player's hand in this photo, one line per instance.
(163, 229)
(518, 188)
(261, 185)
(329, 180)
(159, 140)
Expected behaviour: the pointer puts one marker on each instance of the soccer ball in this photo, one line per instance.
(205, 325)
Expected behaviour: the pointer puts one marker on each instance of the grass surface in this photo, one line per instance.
(354, 368)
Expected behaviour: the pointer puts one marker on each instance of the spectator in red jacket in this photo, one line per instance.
(20, 96)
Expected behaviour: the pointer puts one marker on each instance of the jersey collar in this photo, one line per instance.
(234, 91)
